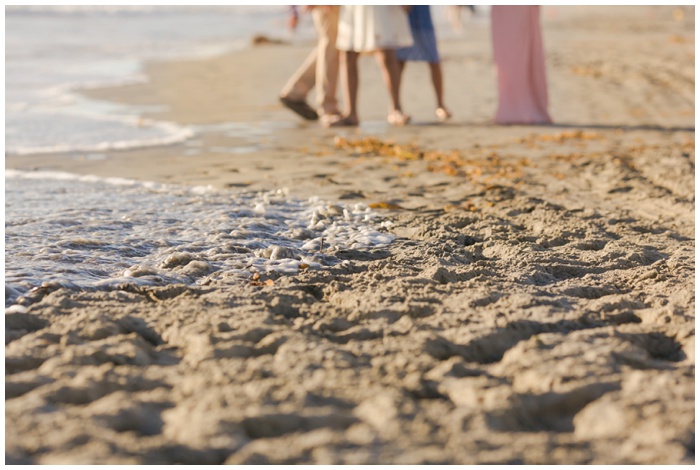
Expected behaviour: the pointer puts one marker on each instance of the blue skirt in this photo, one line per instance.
(424, 48)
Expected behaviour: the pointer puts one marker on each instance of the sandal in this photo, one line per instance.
(302, 108)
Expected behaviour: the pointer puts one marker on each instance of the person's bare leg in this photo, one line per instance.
(351, 78)
(389, 66)
(436, 75)
(402, 65)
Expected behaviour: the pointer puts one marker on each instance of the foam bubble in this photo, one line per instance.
(92, 232)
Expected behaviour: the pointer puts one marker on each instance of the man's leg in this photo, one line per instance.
(327, 59)
(295, 91)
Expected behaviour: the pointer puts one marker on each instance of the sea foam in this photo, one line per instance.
(87, 232)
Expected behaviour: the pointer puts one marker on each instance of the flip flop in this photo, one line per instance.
(301, 108)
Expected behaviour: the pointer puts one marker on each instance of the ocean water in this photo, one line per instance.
(95, 233)
(51, 52)
(85, 232)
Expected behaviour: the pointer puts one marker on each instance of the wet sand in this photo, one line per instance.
(537, 307)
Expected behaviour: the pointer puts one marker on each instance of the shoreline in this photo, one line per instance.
(536, 307)
(237, 117)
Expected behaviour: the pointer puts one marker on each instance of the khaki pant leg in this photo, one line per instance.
(303, 80)
(326, 24)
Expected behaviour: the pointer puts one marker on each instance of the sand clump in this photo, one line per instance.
(536, 307)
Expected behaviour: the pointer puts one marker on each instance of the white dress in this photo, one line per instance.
(364, 28)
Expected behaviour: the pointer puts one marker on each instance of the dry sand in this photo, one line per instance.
(537, 306)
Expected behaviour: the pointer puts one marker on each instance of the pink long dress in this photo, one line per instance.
(519, 58)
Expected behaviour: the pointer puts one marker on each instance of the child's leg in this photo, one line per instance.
(436, 76)
(402, 65)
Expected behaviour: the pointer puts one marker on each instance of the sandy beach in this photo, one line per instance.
(536, 307)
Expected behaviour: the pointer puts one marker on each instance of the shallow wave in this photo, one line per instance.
(135, 132)
(65, 176)
(44, 114)
(88, 232)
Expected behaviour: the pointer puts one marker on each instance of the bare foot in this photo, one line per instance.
(443, 114)
(347, 121)
(328, 119)
(397, 118)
